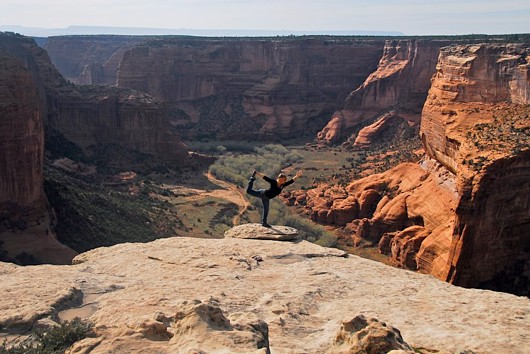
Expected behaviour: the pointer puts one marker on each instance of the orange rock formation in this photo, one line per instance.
(399, 85)
(463, 213)
(476, 122)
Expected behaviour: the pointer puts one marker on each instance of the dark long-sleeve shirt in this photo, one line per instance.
(275, 190)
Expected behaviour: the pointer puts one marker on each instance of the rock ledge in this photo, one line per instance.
(259, 232)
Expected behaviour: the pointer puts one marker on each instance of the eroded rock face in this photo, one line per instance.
(176, 294)
(463, 213)
(362, 335)
(89, 116)
(90, 60)
(24, 210)
(36, 102)
(399, 84)
(244, 88)
(21, 137)
(388, 127)
(96, 116)
(398, 211)
(476, 122)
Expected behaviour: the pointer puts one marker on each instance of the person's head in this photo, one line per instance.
(281, 178)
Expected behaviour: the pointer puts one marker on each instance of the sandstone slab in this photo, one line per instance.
(143, 295)
(259, 232)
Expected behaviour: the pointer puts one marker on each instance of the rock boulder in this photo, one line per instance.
(259, 232)
(370, 336)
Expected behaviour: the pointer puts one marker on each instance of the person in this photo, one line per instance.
(276, 187)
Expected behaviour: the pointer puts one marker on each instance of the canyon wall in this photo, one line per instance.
(463, 213)
(41, 110)
(249, 88)
(270, 88)
(21, 136)
(91, 116)
(395, 91)
(26, 221)
(89, 59)
(476, 122)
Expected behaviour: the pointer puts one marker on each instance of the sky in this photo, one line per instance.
(411, 17)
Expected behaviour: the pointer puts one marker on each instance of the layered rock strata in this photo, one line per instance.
(89, 116)
(36, 99)
(90, 60)
(396, 90)
(95, 116)
(245, 88)
(463, 214)
(398, 211)
(476, 122)
(25, 215)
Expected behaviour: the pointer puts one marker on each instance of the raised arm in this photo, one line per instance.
(298, 175)
(259, 174)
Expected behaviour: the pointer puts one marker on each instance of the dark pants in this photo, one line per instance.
(260, 193)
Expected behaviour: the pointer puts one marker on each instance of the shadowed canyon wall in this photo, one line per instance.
(26, 220)
(39, 108)
(90, 60)
(396, 90)
(89, 116)
(237, 88)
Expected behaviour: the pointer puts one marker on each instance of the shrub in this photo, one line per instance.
(53, 340)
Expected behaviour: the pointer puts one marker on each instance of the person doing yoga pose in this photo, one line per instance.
(276, 187)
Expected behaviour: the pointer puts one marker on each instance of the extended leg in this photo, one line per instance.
(265, 202)
(251, 191)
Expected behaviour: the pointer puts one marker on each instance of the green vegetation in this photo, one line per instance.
(92, 214)
(270, 159)
(221, 147)
(509, 134)
(54, 340)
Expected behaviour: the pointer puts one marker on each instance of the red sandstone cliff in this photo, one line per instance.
(476, 122)
(396, 90)
(26, 226)
(95, 115)
(249, 87)
(34, 98)
(463, 214)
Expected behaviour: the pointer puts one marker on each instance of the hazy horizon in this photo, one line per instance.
(408, 17)
(140, 31)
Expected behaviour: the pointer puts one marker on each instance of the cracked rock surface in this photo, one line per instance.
(238, 295)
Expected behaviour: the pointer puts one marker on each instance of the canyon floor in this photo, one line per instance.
(159, 297)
